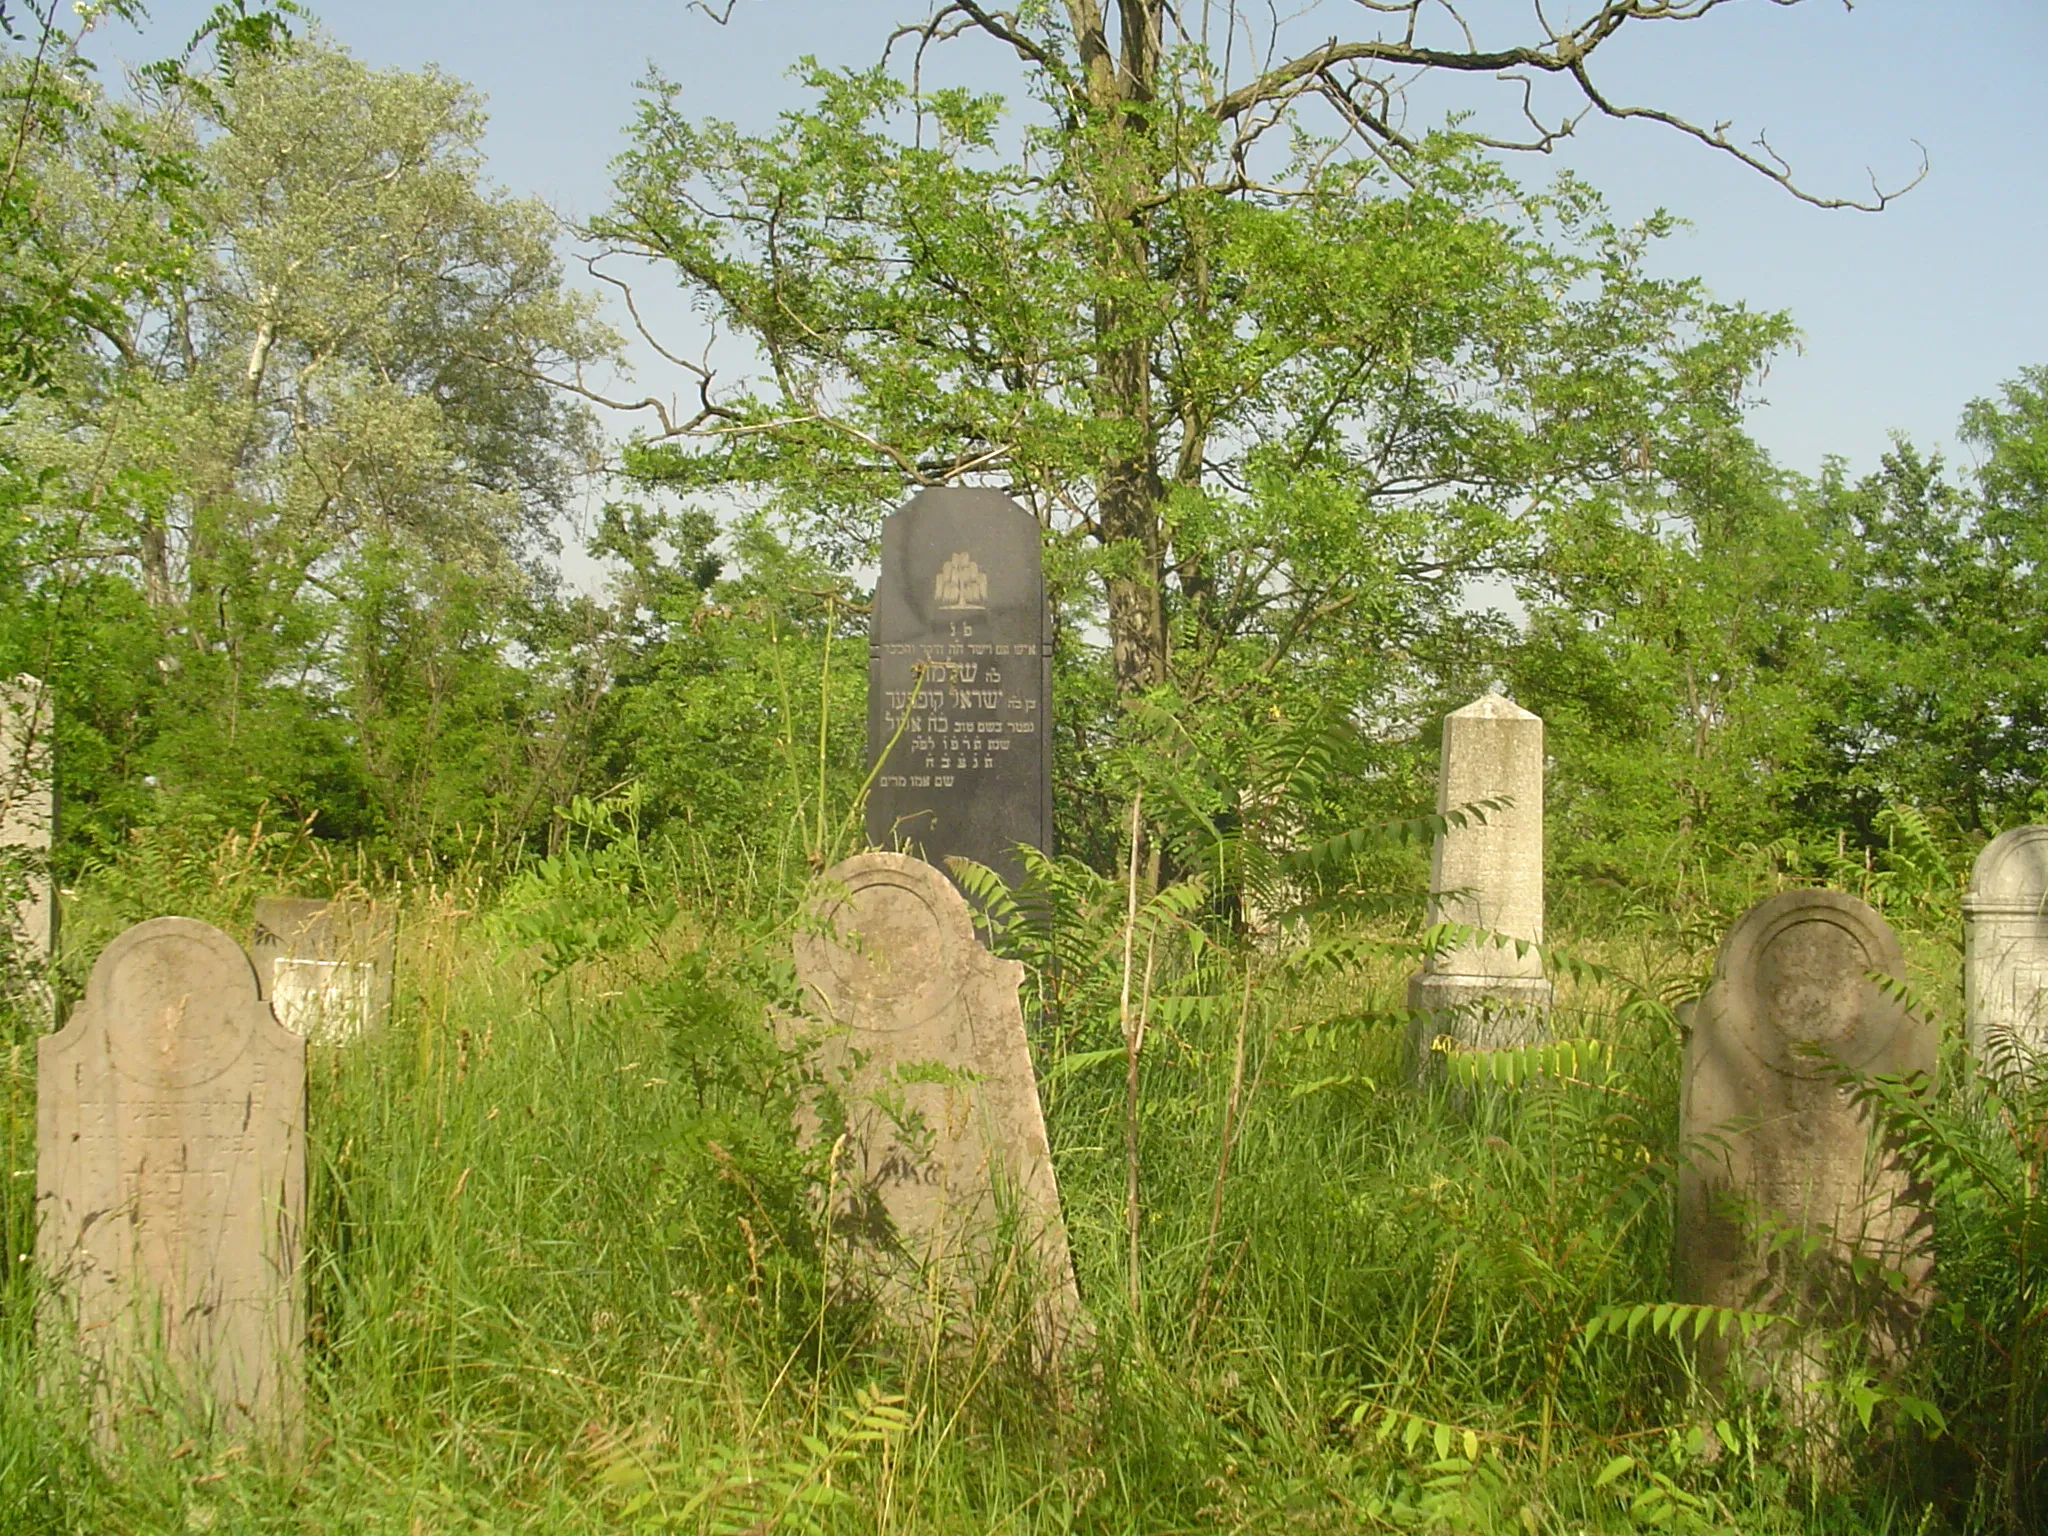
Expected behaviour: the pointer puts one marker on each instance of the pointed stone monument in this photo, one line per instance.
(171, 1180)
(1782, 1193)
(1487, 874)
(2005, 949)
(943, 1200)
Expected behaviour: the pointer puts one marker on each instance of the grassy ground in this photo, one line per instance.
(564, 1274)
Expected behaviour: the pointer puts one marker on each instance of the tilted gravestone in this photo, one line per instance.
(960, 683)
(1781, 1184)
(2005, 948)
(171, 1175)
(28, 808)
(943, 1197)
(324, 966)
(1487, 874)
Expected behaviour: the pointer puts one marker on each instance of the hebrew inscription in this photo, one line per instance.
(959, 682)
(1783, 1194)
(943, 1193)
(171, 1176)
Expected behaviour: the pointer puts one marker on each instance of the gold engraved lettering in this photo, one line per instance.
(961, 585)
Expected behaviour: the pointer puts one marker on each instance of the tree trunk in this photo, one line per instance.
(1129, 493)
(154, 541)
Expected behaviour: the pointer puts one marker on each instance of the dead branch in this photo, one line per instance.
(1765, 161)
(1562, 54)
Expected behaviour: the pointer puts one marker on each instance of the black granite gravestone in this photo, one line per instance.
(960, 683)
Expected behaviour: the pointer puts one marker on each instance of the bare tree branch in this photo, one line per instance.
(1765, 161)
(1563, 54)
(590, 264)
(1005, 28)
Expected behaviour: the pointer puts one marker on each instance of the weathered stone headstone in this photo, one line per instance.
(1772, 1145)
(27, 816)
(171, 1175)
(1487, 874)
(943, 1197)
(960, 683)
(324, 966)
(2005, 948)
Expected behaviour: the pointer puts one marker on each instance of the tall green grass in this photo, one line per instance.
(565, 1274)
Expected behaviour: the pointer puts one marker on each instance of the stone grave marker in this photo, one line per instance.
(2005, 947)
(324, 966)
(28, 807)
(960, 683)
(943, 1197)
(1487, 874)
(171, 1176)
(1769, 1141)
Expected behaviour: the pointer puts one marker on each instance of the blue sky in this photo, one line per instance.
(1906, 315)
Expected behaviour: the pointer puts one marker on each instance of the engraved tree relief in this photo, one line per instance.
(960, 584)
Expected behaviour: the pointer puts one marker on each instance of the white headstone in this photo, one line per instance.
(171, 1177)
(1487, 874)
(2005, 947)
(324, 966)
(943, 1197)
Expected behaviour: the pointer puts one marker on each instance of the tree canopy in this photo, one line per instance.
(1329, 416)
(288, 493)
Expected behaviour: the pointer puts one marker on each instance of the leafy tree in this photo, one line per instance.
(1675, 649)
(292, 514)
(1278, 374)
(1740, 666)
(1940, 663)
(57, 281)
(738, 705)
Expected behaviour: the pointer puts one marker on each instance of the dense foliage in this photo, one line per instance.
(1329, 426)
(286, 480)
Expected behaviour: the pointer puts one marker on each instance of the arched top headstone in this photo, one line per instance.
(171, 1045)
(1773, 1144)
(944, 1132)
(960, 682)
(892, 944)
(1797, 971)
(2011, 872)
(175, 1099)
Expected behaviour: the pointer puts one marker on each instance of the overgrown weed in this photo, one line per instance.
(566, 1272)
